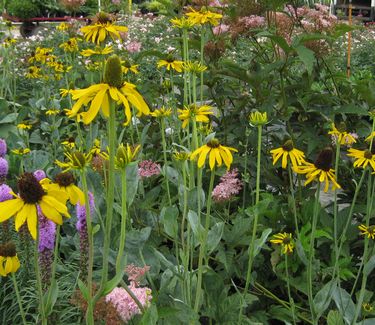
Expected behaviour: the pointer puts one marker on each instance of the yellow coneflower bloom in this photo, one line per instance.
(161, 112)
(204, 16)
(371, 136)
(216, 152)
(287, 150)
(182, 22)
(65, 92)
(98, 32)
(59, 67)
(341, 136)
(65, 182)
(200, 113)
(71, 45)
(194, 67)
(363, 158)
(181, 155)
(23, 126)
(52, 112)
(21, 151)
(285, 240)
(99, 95)
(127, 66)
(96, 149)
(206, 129)
(33, 72)
(124, 155)
(62, 27)
(367, 307)
(24, 206)
(9, 42)
(42, 55)
(367, 231)
(257, 118)
(98, 51)
(171, 63)
(75, 160)
(69, 143)
(320, 170)
(9, 262)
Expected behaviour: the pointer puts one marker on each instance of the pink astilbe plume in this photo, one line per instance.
(148, 168)
(135, 273)
(228, 187)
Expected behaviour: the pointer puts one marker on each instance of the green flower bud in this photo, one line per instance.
(113, 72)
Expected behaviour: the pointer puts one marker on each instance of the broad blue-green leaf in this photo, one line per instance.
(195, 225)
(323, 298)
(259, 242)
(214, 236)
(168, 218)
(150, 317)
(344, 304)
(50, 297)
(306, 56)
(10, 118)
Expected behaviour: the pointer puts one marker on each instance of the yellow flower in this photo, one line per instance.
(95, 150)
(129, 67)
(21, 151)
(7, 42)
(341, 136)
(363, 158)
(216, 152)
(181, 155)
(297, 157)
(42, 55)
(52, 112)
(171, 63)
(204, 16)
(371, 136)
(69, 143)
(200, 113)
(98, 32)
(75, 160)
(71, 45)
(9, 262)
(182, 22)
(161, 112)
(24, 206)
(257, 118)
(62, 27)
(194, 67)
(97, 51)
(33, 72)
(320, 170)
(99, 95)
(65, 183)
(367, 307)
(285, 240)
(23, 126)
(124, 155)
(367, 231)
(65, 92)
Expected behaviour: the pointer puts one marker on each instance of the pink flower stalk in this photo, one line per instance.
(220, 29)
(148, 168)
(134, 47)
(228, 187)
(217, 3)
(124, 303)
(135, 273)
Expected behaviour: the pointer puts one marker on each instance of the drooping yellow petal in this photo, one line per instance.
(50, 213)
(32, 224)
(26, 211)
(8, 265)
(94, 108)
(10, 208)
(203, 155)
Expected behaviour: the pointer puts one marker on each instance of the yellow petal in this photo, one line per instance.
(32, 220)
(23, 214)
(10, 208)
(202, 156)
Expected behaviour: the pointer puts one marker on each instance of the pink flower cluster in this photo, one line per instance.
(253, 21)
(217, 3)
(228, 187)
(135, 273)
(125, 305)
(220, 29)
(134, 47)
(148, 168)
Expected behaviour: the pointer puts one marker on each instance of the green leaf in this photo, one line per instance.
(323, 298)
(334, 318)
(280, 41)
(195, 225)
(168, 218)
(306, 56)
(369, 266)
(344, 304)
(51, 297)
(259, 242)
(82, 287)
(214, 236)
(111, 284)
(10, 118)
(150, 317)
(95, 229)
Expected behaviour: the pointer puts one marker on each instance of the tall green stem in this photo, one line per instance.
(164, 143)
(335, 206)
(22, 312)
(291, 302)
(293, 201)
(202, 250)
(255, 223)
(202, 61)
(311, 256)
(124, 214)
